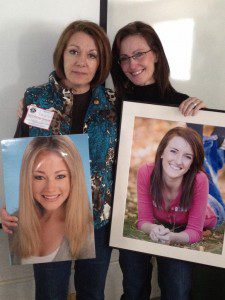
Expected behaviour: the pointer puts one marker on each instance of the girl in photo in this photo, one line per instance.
(54, 211)
(173, 192)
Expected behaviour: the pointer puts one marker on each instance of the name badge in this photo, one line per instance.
(38, 117)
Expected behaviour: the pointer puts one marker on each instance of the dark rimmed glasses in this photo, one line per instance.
(125, 60)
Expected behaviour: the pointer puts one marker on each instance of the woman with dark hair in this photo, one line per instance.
(82, 60)
(140, 73)
(140, 70)
(173, 192)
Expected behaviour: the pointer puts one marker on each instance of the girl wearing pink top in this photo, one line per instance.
(173, 192)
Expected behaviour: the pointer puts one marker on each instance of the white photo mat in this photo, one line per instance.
(132, 110)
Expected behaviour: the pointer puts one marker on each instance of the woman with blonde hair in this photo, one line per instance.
(54, 211)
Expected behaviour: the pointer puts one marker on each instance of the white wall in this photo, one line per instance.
(194, 29)
(29, 30)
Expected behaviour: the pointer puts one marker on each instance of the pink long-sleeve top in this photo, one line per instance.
(198, 216)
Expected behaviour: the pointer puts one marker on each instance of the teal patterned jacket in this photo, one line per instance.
(101, 126)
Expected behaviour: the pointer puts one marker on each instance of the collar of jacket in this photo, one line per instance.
(55, 96)
(99, 98)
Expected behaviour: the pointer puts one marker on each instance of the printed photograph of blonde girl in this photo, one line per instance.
(54, 211)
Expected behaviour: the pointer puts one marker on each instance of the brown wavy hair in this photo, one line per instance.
(162, 71)
(78, 216)
(99, 36)
(156, 180)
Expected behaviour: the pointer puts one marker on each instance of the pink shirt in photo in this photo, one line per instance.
(200, 215)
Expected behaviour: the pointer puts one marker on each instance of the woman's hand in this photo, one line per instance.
(191, 106)
(166, 238)
(8, 221)
(20, 109)
(174, 237)
(159, 233)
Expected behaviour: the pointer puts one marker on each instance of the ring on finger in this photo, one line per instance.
(194, 105)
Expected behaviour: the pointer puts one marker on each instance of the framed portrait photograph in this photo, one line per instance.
(47, 186)
(170, 184)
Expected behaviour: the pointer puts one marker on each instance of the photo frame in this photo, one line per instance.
(45, 173)
(142, 128)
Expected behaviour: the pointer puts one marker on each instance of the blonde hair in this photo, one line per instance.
(78, 217)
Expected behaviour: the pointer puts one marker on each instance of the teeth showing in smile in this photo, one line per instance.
(52, 197)
(175, 167)
(137, 73)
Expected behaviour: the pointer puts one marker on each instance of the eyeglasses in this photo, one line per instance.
(125, 60)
